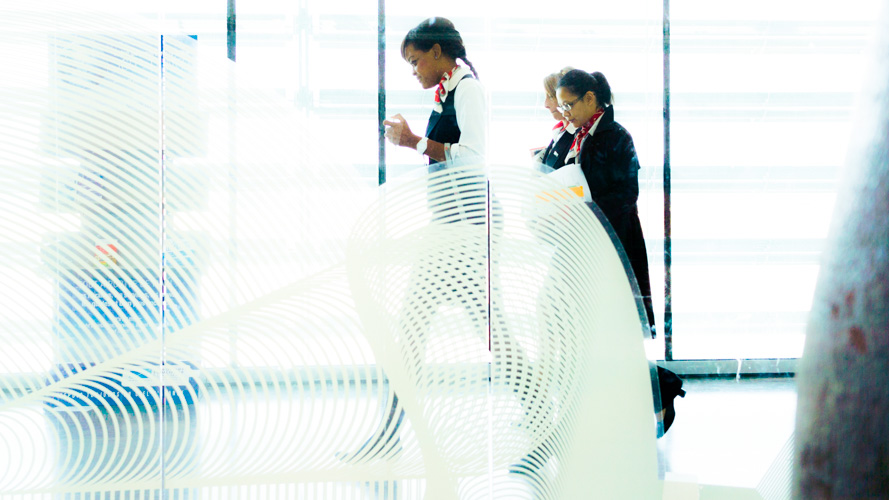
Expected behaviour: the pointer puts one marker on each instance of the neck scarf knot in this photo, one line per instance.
(441, 93)
(582, 133)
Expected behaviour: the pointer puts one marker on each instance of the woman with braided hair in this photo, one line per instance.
(457, 126)
(455, 134)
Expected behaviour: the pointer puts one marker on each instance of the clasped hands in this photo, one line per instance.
(399, 133)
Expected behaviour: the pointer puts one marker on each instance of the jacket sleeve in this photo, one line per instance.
(612, 171)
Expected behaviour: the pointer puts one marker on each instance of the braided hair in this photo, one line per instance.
(580, 82)
(441, 31)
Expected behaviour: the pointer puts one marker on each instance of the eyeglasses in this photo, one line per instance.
(564, 108)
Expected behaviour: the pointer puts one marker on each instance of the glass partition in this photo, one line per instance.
(84, 316)
(196, 309)
(155, 192)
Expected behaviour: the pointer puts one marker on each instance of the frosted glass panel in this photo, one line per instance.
(207, 294)
(83, 262)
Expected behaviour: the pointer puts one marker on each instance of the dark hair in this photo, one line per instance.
(580, 82)
(441, 31)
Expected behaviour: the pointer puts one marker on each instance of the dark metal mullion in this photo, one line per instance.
(231, 31)
(668, 243)
(381, 89)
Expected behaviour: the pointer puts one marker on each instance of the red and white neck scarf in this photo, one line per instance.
(448, 81)
(583, 133)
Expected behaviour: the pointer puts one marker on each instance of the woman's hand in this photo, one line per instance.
(399, 133)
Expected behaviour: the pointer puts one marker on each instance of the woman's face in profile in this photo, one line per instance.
(552, 105)
(425, 66)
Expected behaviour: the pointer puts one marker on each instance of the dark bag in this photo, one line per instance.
(670, 386)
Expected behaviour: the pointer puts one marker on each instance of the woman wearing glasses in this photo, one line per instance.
(607, 157)
(606, 154)
(563, 131)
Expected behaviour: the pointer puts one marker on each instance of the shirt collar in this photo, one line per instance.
(447, 84)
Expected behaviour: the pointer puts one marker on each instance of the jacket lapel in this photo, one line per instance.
(605, 123)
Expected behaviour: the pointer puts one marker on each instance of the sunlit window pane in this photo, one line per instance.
(762, 96)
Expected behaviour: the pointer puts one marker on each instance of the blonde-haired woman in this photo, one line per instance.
(563, 131)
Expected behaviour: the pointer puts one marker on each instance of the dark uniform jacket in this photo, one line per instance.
(609, 163)
(554, 154)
